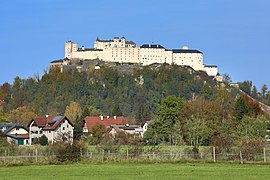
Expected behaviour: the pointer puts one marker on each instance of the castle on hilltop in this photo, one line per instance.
(124, 51)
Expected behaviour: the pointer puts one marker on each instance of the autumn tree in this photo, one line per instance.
(73, 111)
(22, 115)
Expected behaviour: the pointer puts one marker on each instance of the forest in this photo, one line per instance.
(137, 93)
(186, 107)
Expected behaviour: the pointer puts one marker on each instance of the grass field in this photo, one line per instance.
(138, 171)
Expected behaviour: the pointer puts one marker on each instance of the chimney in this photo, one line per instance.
(82, 47)
(108, 117)
(114, 117)
(157, 45)
(46, 115)
(101, 118)
(149, 45)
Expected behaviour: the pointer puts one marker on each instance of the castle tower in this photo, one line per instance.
(70, 47)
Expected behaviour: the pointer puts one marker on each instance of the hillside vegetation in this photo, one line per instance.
(137, 92)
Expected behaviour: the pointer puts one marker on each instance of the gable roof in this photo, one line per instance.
(90, 121)
(49, 122)
(18, 136)
(11, 126)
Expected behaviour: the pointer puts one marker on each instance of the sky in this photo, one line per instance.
(233, 34)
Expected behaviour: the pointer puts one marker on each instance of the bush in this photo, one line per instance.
(250, 148)
(221, 142)
(68, 152)
(109, 144)
(43, 140)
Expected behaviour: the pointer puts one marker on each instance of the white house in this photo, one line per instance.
(52, 127)
(15, 133)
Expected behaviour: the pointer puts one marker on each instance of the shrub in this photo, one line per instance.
(43, 140)
(250, 148)
(68, 152)
(221, 142)
(109, 144)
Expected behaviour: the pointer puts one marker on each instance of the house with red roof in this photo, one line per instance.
(90, 121)
(52, 127)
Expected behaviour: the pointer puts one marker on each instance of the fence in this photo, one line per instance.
(36, 155)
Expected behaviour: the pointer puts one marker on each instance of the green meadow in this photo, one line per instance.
(131, 170)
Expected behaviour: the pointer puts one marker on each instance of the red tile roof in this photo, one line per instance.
(49, 122)
(18, 136)
(90, 121)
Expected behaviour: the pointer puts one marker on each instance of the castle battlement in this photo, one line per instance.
(125, 51)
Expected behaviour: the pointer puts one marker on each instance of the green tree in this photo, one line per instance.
(167, 113)
(254, 92)
(264, 90)
(250, 128)
(240, 108)
(246, 86)
(98, 132)
(116, 111)
(143, 114)
(43, 140)
(94, 111)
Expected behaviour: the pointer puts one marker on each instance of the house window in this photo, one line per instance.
(49, 131)
(40, 132)
(63, 128)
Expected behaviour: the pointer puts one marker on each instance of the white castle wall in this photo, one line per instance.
(123, 51)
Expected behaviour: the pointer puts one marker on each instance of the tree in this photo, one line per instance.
(264, 90)
(98, 132)
(5, 92)
(240, 108)
(167, 113)
(94, 111)
(202, 119)
(143, 114)
(43, 140)
(250, 128)
(116, 111)
(73, 111)
(85, 112)
(21, 115)
(254, 92)
(246, 86)
(226, 79)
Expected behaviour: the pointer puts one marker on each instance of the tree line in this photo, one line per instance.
(135, 94)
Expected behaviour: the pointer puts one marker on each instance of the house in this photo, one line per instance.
(90, 121)
(52, 127)
(15, 133)
(128, 129)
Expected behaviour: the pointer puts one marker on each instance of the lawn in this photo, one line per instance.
(138, 171)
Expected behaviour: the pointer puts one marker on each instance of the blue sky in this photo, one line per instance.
(233, 34)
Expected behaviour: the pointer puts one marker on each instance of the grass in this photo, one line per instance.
(138, 171)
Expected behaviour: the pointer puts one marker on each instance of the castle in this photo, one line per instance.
(124, 51)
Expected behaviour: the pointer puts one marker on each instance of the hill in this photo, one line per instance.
(134, 89)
